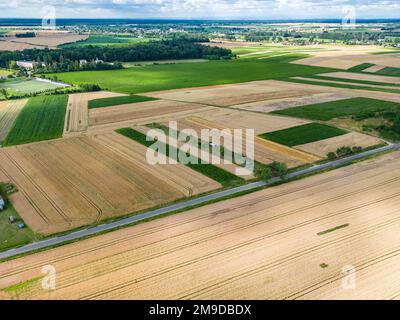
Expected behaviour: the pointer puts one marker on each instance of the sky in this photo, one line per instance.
(201, 9)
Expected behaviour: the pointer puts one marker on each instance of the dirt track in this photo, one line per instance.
(260, 246)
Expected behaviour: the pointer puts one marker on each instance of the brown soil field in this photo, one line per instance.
(234, 94)
(260, 246)
(142, 112)
(43, 39)
(9, 111)
(77, 115)
(15, 46)
(353, 139)
(364, 77)
(280, 104)
(73, 182)
(375, 68)
(346, 83)
(261, 123)
(348, 59)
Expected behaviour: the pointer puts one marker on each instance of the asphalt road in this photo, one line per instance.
(184, 205)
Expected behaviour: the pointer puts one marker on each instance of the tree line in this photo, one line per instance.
(67, 59)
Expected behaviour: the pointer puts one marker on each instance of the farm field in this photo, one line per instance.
(348, 57)
(166, 77)
(42, 118)
(43, 39)
(77, 114)
(9, 111)
(235, 94)
(216, 173)
(303, 134)
(363, 77)
(353, 139)
(229, 250)
(388, 71)
(28, 86)
(141, 113)
(104, 40)
(73, 182)
(115, 101)
(265, 152)
(340, 108)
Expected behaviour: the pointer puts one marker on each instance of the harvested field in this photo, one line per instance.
(43, 39)
(348, 60)
(142, 112)
(281, 104)
(74, 182)
(353, 139)
(197, 154)
(229, 95)
(77, 111)
(261, 123)
(9, 111)
(363, 77)
(229, 250)
(374, 69)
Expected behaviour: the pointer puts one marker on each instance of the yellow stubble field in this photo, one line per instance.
(279, 243)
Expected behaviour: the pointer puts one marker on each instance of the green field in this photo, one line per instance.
(341, 108)
(42, 118)
(165, 77)
(389, 72)
(105, 40)
(303, 134)
(109, 102)
(27, 86)
(225, 178)
(10, 235)
(361, 67)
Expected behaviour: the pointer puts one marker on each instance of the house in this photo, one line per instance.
(28, 64)
(2, 203)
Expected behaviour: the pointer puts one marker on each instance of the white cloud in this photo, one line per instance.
(251, 9)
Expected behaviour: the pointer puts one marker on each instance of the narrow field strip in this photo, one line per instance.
(217, 174)
(116, 101)
(303, 134)
(340, 108)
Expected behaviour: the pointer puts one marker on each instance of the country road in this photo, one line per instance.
(184, 205)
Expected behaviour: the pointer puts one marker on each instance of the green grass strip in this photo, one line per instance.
(341, 108)
(116, 101)
(213, 172)
(303, 134)
(389, 71)
(333, 229)
(361, 67)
